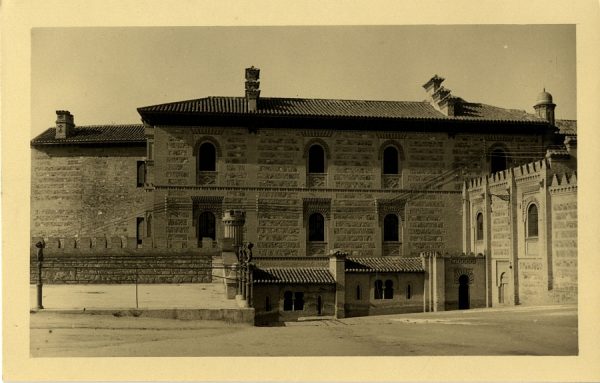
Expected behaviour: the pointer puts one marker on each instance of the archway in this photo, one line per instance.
(463, 292)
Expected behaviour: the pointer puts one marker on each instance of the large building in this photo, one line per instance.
(354, 207)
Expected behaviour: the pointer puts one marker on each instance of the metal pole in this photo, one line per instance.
(136, 288)
(40, 260)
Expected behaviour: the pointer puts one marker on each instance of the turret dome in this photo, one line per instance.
(544, 98)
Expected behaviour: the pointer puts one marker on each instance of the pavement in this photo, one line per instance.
(547, 330)
(148, 297)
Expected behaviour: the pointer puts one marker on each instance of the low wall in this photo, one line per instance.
(124, 268)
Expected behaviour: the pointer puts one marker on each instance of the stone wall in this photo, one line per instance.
(265, 174)
(86, 191)
(276, 298)
(400, 301)
(525, 269)
(564, 234)
(472, 267)
(67, 260)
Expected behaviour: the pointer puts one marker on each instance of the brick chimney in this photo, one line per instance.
(440, 98)
(64, 124)
(252, 88)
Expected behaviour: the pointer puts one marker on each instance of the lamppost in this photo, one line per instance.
(40, 259)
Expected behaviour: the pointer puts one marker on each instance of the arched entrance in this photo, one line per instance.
(463, 292)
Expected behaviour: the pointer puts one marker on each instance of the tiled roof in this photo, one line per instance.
(293, 275)
(567, 126)
(383, 265)
(94, 134)
(337, 108)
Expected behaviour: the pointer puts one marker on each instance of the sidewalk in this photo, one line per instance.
(123, 296)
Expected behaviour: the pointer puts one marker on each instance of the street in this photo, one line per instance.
(550, 330)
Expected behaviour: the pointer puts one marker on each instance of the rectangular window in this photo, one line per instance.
(141, 173)
(150, 154)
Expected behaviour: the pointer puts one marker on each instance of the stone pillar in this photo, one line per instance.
(439, 283)
(233, 222)
(337, 267)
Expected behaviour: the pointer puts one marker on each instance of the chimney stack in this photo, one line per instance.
(441, 98)
(252, 88)
(64, 124)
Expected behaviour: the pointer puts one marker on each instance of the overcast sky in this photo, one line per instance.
(102, 75)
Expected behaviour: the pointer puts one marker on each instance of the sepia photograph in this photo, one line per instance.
(304, 191)
(300, 191)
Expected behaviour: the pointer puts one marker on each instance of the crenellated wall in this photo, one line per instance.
(526, 268)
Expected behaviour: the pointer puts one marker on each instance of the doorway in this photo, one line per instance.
(463, 292)
(319, 305)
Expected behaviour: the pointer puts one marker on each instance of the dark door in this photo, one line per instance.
(463, 292)
(319, 305)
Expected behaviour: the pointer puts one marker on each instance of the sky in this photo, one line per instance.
(101, 75)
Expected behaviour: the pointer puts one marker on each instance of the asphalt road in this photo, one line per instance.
(550, 330)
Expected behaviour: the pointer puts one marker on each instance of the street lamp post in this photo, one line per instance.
(40, 259)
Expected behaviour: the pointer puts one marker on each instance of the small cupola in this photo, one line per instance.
(64, 124)
(544, 107)
(252, 88)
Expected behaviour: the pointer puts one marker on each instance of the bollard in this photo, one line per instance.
(40, 260)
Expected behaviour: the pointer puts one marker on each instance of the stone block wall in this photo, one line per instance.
(564, 233)
(265, 174)
(400, 302)
(474, 268)
(528, 270)
(276, 298)
(118, 260)
(86, 191)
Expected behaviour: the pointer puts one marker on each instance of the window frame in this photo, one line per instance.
(214, 226)
(479, 227)
(200, 158)
(529, 221)
(311, 159)
(386, 231)
(309, 231)
(384, 161)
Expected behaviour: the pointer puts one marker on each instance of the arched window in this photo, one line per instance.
(479, 231)
(358, 293)
(378, 289)
(390, 228)
(408, 291)
(532, 221)
(388, 291)
(141, 173)
(207, 157)
(268, 303)
(498, 160)
(316, 159)
(316, 228)
(206, 226)
(288, 301)
(391, 160)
